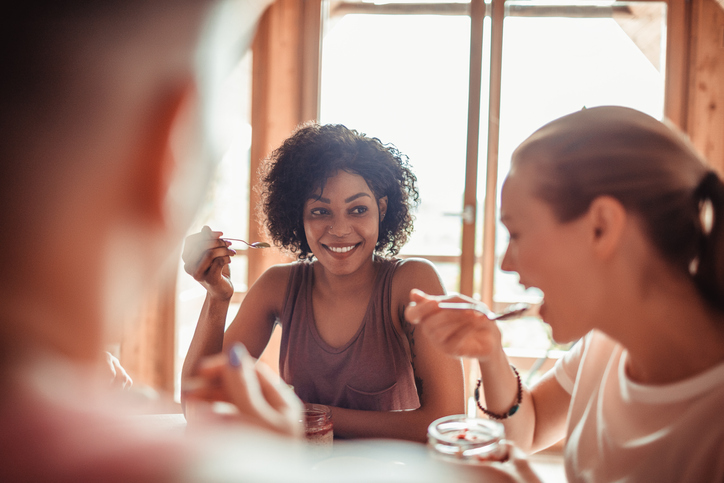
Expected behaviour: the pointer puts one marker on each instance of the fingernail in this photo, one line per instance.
(236, 354)
(233, 252)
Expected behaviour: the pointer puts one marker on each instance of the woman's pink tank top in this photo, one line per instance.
(370, 372)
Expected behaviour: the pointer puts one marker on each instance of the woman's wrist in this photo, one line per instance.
(513, 408)
(495, 359)
(496, 362)
(215, 309)
(220, 298)
(500, 383)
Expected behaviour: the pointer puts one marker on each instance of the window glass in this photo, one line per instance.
(226, 207)
(615, 60)
(404, 80)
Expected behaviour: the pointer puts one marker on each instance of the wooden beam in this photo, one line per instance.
(491, 180)
(676, 81)
(341, 8)
(349, 8)
(148, 348)
(467, 258)
(311, 59)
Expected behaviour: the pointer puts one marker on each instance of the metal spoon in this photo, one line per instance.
(250, 245)
(511, 312)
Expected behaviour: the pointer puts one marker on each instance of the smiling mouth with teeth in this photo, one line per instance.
(342, 249)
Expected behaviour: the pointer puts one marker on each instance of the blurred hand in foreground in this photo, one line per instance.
(250, 387)
(516, 469)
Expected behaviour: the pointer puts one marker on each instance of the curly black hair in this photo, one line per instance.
(313, 154)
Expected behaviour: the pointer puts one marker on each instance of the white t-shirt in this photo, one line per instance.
(622, 431)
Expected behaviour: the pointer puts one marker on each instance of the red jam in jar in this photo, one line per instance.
(318, 425)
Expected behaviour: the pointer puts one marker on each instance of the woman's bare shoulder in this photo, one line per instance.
(271, 285)
(278, 271)
(415, 263)
(415, 267)
(417, 273)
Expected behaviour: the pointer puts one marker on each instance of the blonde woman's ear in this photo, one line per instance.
(608, 217)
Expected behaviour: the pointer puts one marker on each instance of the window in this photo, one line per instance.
(401, 72)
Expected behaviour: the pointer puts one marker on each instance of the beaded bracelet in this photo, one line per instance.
(512, 410)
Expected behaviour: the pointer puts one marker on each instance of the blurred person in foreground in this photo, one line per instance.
(101, 138)
(98, 126)
(620, 223)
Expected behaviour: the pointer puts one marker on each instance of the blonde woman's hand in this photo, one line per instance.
(460, 333)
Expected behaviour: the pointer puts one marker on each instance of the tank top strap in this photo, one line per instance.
(380, 312)
(298, 287)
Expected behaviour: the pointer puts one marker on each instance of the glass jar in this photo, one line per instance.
(469, 441)
(318, 426)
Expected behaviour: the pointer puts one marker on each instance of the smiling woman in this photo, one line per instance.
(342, 220)
(341, 202)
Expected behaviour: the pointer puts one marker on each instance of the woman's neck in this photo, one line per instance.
(671, 337)
(356, 283)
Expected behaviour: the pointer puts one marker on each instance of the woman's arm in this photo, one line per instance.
(262, 305)
(207, 259)
(540, 419)
(438, 375)
(252, 325)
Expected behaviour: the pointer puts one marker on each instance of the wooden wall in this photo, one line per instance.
(148, 348)
(705, 96)
(285, 86)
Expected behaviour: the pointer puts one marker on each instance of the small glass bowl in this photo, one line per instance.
(461, 439)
